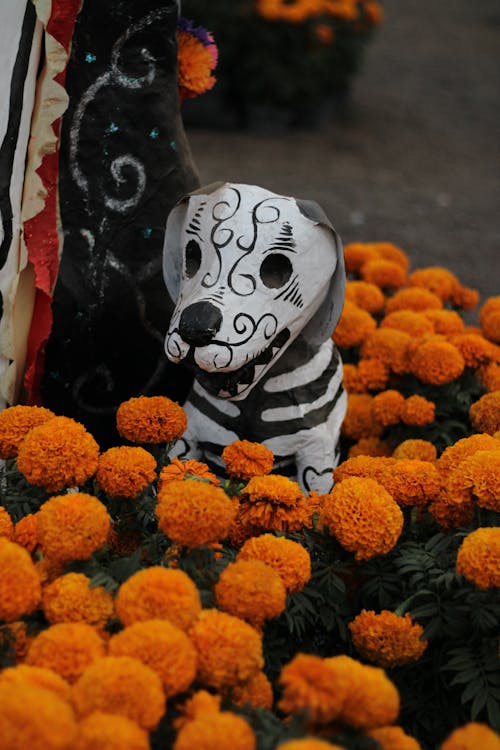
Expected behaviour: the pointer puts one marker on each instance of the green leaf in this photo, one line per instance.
(478, 704)
(493, 713)
(472, 689)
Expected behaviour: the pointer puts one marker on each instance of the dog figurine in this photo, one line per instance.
(258, 282)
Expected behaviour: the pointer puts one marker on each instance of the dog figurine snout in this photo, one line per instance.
(199, 323)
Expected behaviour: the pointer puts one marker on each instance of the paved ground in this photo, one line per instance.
(414, 158)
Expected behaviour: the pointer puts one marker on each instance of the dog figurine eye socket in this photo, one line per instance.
(193, 258)
(275, 270)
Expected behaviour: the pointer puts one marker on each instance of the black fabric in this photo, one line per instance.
(124, 163)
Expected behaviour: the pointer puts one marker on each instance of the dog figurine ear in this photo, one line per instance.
(172, 249)
(323, 323)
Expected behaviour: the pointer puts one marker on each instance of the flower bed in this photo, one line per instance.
(146, 603)
(293, 58)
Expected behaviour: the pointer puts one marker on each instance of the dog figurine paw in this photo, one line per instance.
(258, 282)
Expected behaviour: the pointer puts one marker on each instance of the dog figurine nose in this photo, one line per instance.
(199, 323)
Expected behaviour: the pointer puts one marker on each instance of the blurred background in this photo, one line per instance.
(403, 148)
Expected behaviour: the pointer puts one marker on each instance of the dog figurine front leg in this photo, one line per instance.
(319, 454)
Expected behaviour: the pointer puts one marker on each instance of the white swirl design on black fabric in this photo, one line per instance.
(116, 75)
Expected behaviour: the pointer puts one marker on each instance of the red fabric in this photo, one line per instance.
(40, 232)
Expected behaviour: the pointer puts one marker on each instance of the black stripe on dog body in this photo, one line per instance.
(302, 394)
(315, 417)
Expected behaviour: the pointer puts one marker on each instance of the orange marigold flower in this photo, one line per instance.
(193, 513)
(390, 347)
(274, 489)
(394, 738)
(365, 295)
(151, 419)
(251, 590)
(354, 326)
(411, 482)
(158, 593)
(34, 718)
(358, 421)
(70, 598)
(452, 456)
(106, 731)
(38, 677)
(347, 10)
(352, 381)
(387, 407)
(423, 450)
(451, 515)
(163, 647)
(490, 376)
(178, 470)
(356, 254)
(310, 685)
(195, 63)
(411, 322)
(125, 471)
(465, 298)
(472, 736)
(307, 743)
(438, 280)
(478, 558)
(288, 558)
(324, 33)
(413, 298)
(271, 503)
(373, 12)
(477, 478)
(475, 349)
(245, 460)
(26, 532)
(363, 516)
(370, 446)
(445, 322)
(229, 649)
(57, 454)
(388, 251)
(72, 526)
(386, 274)
(120, 685)
(373, 374)
(224, 731)
(15, 423)
(201, 702)
(418, 410)
(19, 583)
(371, 467)
(6, 525)
(489, 319)
(436, 362)
(67, 648)
(253, 518)
(485, 413)
(386, 639)
(257, 692)
(372, 699)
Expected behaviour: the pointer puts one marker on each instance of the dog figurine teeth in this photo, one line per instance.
(257, 281)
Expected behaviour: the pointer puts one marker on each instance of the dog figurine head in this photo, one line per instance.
(248, 272)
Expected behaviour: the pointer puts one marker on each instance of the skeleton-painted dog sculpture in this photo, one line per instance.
(258, 283)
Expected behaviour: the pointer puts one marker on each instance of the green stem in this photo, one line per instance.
(404, 605)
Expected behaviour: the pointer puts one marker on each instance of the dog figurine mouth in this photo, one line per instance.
(234, 384)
